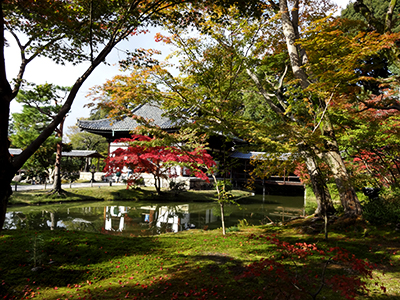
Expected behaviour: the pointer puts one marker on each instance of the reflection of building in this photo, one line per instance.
(171, 219)
(155, 219)
(114, 217)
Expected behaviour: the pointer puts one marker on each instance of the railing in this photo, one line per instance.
(274, 180)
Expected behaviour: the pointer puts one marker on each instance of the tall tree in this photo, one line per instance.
(40, 104)
(330, 151)
(28, 124)
(211, 91)
(72, 32)
(216, 94)
(381, 17)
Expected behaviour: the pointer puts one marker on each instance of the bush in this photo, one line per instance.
(177, 187)
(380, 211)
(232, 229)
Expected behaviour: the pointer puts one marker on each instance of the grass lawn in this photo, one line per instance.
(111, 193)
(289, 261)
(199, 264)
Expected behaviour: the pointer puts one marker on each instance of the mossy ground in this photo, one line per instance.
(194, 264)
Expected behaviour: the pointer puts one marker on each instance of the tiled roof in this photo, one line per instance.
(146, 111)
(73, 153)
(82, 153)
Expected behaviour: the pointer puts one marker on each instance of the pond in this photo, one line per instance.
(146, 218)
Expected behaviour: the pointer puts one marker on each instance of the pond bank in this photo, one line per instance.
(113, 193)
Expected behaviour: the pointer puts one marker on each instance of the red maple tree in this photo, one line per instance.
(144, 156)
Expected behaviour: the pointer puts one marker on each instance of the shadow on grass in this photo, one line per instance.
(210, 276)
(61, 259)
(44, 197)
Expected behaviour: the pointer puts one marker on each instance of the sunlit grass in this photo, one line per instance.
(113, 193)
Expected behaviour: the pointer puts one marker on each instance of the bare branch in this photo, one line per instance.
(282, 77)
(323, 113)
(266, 96)
(25, 61)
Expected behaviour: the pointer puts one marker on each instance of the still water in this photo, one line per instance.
(141, 218)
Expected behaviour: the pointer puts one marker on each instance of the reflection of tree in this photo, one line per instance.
(31, 221)
(146, 220)
(52, 218)
(228, 210)
(83, 225)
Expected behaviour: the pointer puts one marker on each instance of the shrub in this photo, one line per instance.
(381, 211)
(177, 187)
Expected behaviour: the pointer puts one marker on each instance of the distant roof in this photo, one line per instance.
(14, 151)
(256, 155)
(82, 153)
(147, 111)
(73, 153)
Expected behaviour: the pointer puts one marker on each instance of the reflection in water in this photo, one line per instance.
(114, 217)
(153, 219)
(141, 219)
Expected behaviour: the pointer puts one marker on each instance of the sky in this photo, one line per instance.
(42, 70)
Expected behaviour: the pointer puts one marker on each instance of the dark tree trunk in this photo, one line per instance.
(7, 170)
(157, 184)
(57, 189)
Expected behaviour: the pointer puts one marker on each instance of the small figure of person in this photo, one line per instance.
(118, 174)
(129, 172)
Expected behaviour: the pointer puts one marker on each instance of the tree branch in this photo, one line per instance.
(290, 36)
(323, 113)
(361, 8)
(389, 16)
(266, 96)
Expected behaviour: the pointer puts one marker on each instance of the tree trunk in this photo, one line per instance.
(57, 171)
(331, 155)
(221, 205)
(348, 197)
(53, 222)
(7, 170)
(320, 189)
(5, 193)
(289, 32)
(57, 168)
(157, 184)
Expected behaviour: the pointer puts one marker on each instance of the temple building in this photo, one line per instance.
(222, 149)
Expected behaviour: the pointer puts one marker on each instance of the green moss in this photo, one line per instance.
(193, 263)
